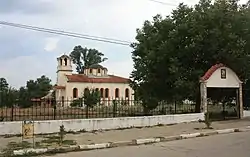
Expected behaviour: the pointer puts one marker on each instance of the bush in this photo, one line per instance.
(77, 103)
(91, 98)
(207, 121)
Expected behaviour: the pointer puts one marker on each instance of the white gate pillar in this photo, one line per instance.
(203, 90)
(240, 101)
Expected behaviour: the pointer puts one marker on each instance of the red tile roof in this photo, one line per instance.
(210, 71)
(86, 79)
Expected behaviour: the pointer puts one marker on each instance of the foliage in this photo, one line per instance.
(207, 121)
(62, 134)
(39, 87)
(84, 57)
(22, 97)
(91, 97)
(77, 103)
(3, 84)
(8, 95)
(172, 53)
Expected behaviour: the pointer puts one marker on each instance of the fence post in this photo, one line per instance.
(12, 112)
(87, 111)
(114, 107)
(175, 106)
(54, 105)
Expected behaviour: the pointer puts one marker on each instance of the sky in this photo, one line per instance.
(26, 54)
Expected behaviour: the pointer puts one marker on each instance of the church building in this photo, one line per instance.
(70, 86)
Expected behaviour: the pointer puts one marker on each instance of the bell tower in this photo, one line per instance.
(64, 67)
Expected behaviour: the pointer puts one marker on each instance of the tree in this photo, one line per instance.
(91, 97)
(3, 84)
(24, 99)
(8, 95)
(38, 88)
(171, 54)
(35, 89)
(84, 57)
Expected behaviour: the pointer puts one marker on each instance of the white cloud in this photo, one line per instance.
(17, 71)
(123, 68)
(110, 18)
(51, 44)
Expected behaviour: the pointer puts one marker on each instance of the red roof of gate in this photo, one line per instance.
(210, 71)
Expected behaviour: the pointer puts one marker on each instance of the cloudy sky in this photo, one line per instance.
(26, 54)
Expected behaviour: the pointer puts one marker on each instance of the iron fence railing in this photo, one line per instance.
(69, 109)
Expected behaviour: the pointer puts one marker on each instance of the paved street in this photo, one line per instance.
(228, 145)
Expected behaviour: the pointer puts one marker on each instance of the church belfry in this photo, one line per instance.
(64, 63)
(64, 67)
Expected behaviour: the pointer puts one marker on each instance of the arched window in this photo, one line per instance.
(61, 62)
(106, 93)
(126, 93)
(65, 61)
(117, 94)
(97, 89)
(86, 90)
(75, 93)
(102, 92)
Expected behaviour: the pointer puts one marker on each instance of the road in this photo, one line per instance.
(227, 145)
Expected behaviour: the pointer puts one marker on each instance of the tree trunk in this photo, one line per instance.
(198, 101)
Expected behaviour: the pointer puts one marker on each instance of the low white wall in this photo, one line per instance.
(246, 113)
(52, 126)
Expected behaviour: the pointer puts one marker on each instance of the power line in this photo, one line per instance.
(164, 3)
(66, 33)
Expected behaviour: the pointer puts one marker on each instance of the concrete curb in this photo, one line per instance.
(127, 143)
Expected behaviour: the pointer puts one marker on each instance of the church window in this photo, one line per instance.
(75, 93)
(102, 92)
(86, 90)
(126, 92)
(65, 61)
(106, 93)
(117, 93)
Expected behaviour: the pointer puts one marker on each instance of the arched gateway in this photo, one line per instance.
(220, 76)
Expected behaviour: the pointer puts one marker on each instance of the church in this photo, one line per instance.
(70, 86)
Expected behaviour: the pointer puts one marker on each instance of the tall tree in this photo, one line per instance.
(38, 88)
(171, 54)
(84, 57)
(3, 84)
(8, 95)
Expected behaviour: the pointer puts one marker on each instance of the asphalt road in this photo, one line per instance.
(228, 145)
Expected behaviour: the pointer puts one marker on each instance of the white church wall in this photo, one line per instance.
(111, 86)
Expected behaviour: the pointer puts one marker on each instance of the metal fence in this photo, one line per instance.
(58, 110)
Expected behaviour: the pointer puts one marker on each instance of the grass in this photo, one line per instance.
(54, 141)
(8, 151)
(48, 141)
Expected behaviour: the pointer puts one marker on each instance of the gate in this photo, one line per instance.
(222, 103)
